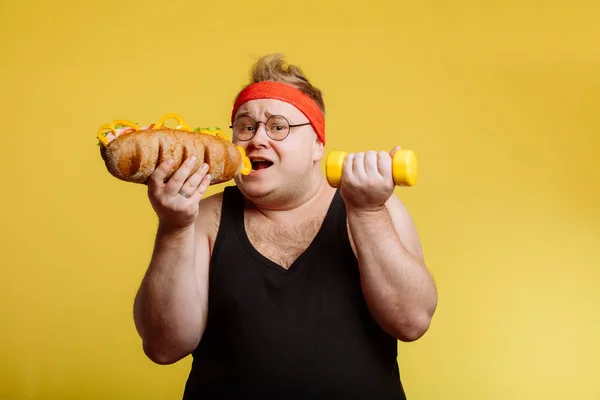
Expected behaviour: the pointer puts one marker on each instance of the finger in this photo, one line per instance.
(161, 173)
(201, 189)
(348, 166)
(176, 181)
(384, 165)
(193, 181)
(394, 150)
(371, 167)
(358, 166)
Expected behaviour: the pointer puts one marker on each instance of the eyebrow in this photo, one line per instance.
(247, 114)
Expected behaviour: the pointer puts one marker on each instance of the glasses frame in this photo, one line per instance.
(257, 123)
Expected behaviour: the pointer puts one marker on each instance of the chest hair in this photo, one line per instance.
(281, 243)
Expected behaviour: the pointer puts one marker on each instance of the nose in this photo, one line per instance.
(260, 138)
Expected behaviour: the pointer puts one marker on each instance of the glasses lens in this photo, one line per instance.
(278, 127)
(243, 128)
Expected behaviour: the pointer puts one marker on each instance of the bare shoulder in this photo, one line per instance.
(404, 226)
(209, 217)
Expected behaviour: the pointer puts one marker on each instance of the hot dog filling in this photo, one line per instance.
(120, 130)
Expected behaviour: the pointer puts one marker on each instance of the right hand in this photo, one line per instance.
(167, 197)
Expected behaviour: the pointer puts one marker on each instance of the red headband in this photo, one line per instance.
(287, 93)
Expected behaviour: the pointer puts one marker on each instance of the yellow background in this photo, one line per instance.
(500, 100)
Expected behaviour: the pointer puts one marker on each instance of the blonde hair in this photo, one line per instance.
(272, 67)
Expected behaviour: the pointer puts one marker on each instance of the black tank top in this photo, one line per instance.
(300, 333)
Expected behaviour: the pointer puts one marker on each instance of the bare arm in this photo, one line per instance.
(171, 305)
(399, 290)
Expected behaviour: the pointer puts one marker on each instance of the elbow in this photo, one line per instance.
(163, 355)
(411, 333)
(412, 328)
(404, 324)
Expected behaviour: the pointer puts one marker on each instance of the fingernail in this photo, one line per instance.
(205, 167)
(193, 159)
(169, 163)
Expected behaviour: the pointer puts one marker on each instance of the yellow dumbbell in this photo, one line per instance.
(404, 167)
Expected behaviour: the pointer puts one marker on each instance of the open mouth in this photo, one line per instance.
(258, 164)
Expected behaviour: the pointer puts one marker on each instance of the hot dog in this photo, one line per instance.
(131, 153)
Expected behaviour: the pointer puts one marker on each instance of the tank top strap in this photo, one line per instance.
(231, 211)
(233, 206)
(334, 229)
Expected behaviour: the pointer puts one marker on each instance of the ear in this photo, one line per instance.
(318, 149)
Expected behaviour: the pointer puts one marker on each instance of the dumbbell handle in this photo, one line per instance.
(404, 167)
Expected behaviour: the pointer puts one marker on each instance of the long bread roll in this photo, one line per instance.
(133, 156)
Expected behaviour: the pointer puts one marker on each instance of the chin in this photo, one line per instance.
(254, 185)
(254, 190)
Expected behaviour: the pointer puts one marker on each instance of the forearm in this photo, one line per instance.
(398, 289)
(168, 306)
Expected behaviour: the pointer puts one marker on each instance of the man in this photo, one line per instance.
(282, 286)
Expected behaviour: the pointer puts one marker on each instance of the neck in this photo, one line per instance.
(316, 193)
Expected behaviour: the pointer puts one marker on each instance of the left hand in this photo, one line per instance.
(367, 181)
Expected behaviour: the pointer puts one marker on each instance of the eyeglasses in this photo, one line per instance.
(277, 127)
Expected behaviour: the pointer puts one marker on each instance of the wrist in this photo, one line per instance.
(365, 211)
(167, 228)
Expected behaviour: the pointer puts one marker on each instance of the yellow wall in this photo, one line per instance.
(500, 101)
